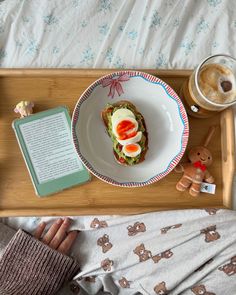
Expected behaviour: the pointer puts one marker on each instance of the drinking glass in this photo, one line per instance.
(211, 87)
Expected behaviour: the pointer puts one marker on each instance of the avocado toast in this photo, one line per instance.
(127, 129)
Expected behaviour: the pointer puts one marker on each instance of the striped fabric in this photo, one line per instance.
(30, 267)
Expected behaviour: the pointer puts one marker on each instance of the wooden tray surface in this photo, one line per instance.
(49, 88)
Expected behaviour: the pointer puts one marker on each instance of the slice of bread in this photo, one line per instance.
(120, 104)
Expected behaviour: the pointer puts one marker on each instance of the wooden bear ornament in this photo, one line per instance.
(195, 171)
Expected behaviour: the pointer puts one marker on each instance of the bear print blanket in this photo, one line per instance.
(156, 253)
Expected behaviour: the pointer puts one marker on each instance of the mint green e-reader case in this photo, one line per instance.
(55, 185)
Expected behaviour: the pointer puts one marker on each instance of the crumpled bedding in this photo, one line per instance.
(183, 252)
(114, 34)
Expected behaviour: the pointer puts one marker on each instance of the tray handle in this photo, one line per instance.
(228, 154)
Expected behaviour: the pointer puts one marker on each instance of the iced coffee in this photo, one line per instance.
(212, 86)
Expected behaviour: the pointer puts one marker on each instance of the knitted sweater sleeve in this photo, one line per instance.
(28, 266)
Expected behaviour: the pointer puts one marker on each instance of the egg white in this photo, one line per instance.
(121, 113)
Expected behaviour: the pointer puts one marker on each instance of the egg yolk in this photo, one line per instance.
(130, 148)
(122, 129)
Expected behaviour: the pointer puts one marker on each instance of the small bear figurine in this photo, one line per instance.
(24, 108)
(196, 171)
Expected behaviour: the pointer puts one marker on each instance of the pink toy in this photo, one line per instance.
(24, 108)
(196, 171)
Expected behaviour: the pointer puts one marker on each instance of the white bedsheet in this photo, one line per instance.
(114, 34)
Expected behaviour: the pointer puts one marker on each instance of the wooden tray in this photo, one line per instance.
(50, 88)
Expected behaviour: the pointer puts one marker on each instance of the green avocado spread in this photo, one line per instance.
(116, 146)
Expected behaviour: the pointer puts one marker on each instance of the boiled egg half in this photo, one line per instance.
(134, 139)
(124, 128)
(131, 150)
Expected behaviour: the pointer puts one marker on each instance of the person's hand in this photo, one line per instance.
(57, 237)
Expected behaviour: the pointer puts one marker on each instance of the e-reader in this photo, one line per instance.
(46, 143)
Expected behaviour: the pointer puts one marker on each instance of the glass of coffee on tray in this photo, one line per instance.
(211, 87)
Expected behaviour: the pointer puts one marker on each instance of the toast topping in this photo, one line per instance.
(126, 127)
(125, 130)
(132, 150)
(133, 138)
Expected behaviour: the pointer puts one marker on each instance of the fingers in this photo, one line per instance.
(60, 234)
(57, 237)
(67, 244)
(39, 230)
(52, 231)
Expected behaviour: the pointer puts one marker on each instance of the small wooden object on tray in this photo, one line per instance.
(49, 88)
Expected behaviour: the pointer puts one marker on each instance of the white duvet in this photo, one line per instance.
(115, 34)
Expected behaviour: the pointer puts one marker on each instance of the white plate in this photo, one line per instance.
(165, 117)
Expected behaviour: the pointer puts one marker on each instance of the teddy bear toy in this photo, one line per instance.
(24, 108)
(196, 171)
